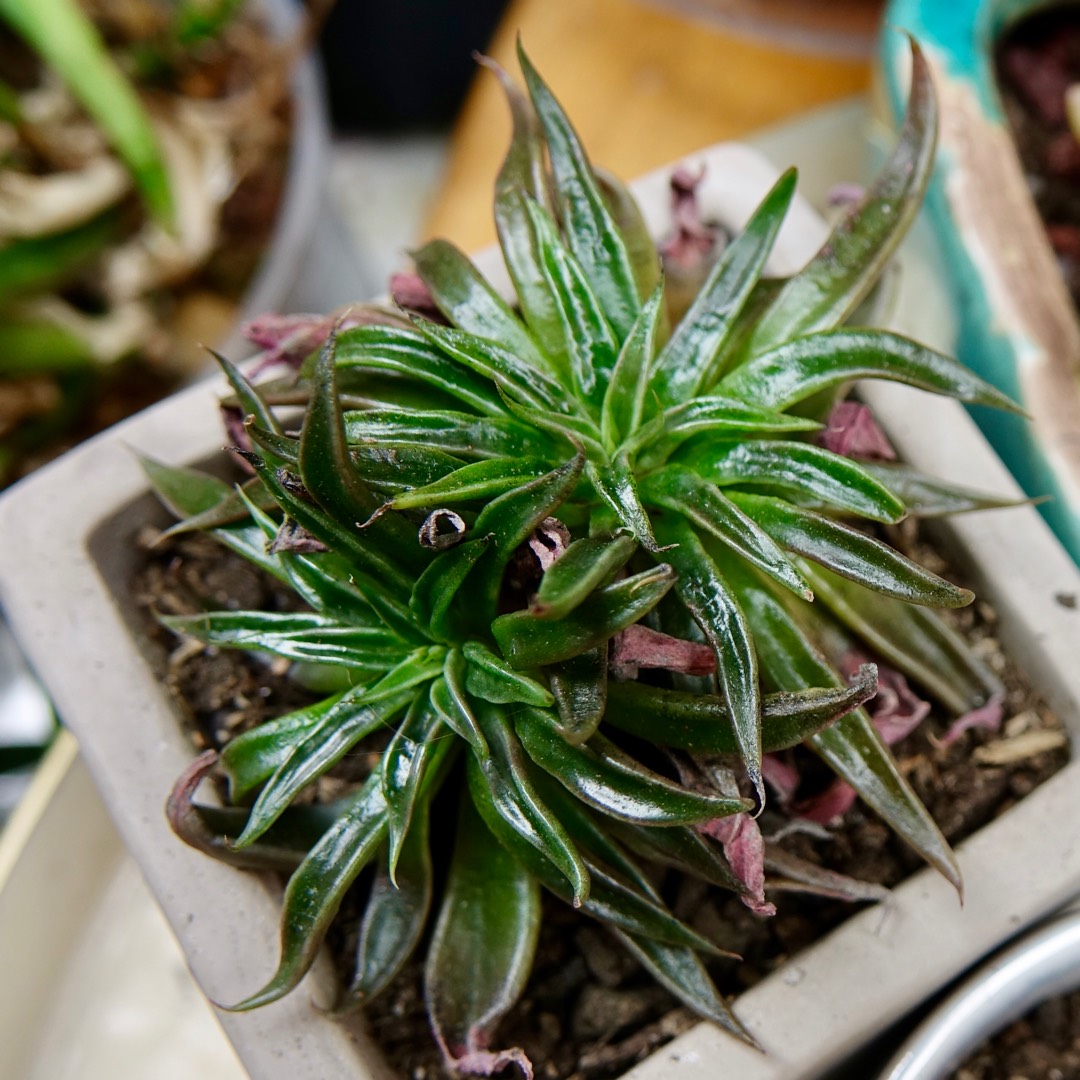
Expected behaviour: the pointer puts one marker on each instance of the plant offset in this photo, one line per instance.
(497, 519)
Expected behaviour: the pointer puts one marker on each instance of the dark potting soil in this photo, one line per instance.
(589, 1011)
(1043, 1045)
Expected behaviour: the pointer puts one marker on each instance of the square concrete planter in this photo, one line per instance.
(66, 555)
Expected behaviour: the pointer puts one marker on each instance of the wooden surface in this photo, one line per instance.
(643, 86)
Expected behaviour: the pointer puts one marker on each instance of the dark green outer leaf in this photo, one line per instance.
(356, 715)
(681, 490)
(913, 639)
(484, 942)
(827, 479)
(248, 397)
(612, 782)
(394, 918)
(590, 348)
(583, 567)
(321, 525)
(453, 704)
(580, 688)
(927, 496)
(612, 899)
(528, 642)
(514, 799)
(681, 847)
(717, 612)
(468, 301)
(693, 357)
(851, 553)
(409, 354)
(579, 431)
(394, 468)
(801, 367)
(591, 232)
(617, 486)
(851, 747)
(316, 889)
(327, 470)
(626, 396)
(701, 723)
(834, 282)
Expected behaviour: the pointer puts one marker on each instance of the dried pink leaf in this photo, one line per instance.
(693, 241)
(988, 717)
(744, 848)
(851, 430)
(639, 647)
(477, 1060)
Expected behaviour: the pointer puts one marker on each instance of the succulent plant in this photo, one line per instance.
(494, 517)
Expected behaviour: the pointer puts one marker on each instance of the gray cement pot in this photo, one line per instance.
(66, 555)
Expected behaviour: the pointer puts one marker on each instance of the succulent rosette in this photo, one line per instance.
(571, 557)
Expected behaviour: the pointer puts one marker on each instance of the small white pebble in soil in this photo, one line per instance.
(1006, 751)
(1021, 722)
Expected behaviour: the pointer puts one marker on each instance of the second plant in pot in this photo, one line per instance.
(588, 569)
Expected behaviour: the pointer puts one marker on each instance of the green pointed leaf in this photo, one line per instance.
(248, 397)
(480, 480)
(510, 520)
(409, 354)
(394, 918)
(418, 745)
(640, 246)
(800, 367)
(913, 639)
(316, 889)
(831, 286)
(523, 176)
(851, 553)
(515, 801)
(468, 301)
(678, 488)
(496, 361)
(452, 703)
(851, 747)
(815, 476)
(590, 348)
(185, 492)
(304, 636)
(397, 468)
(701, 723)
(680, 971)
(433, 594)
(617, 486)
(626, 396)
(682, 848)
(716, 610)
(527, 641)
(604, 777)
(708, 418)
(580, 687)
(580, 432)
(927, 496)
(490, 677)
(583, 567)
(694, 357)
(460, 433)
(591, 231)
(484, 943)
(253, 756)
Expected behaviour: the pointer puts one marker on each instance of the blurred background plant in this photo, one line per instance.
(142, 157)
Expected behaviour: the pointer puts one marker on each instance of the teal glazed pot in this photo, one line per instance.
(1016, 324)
